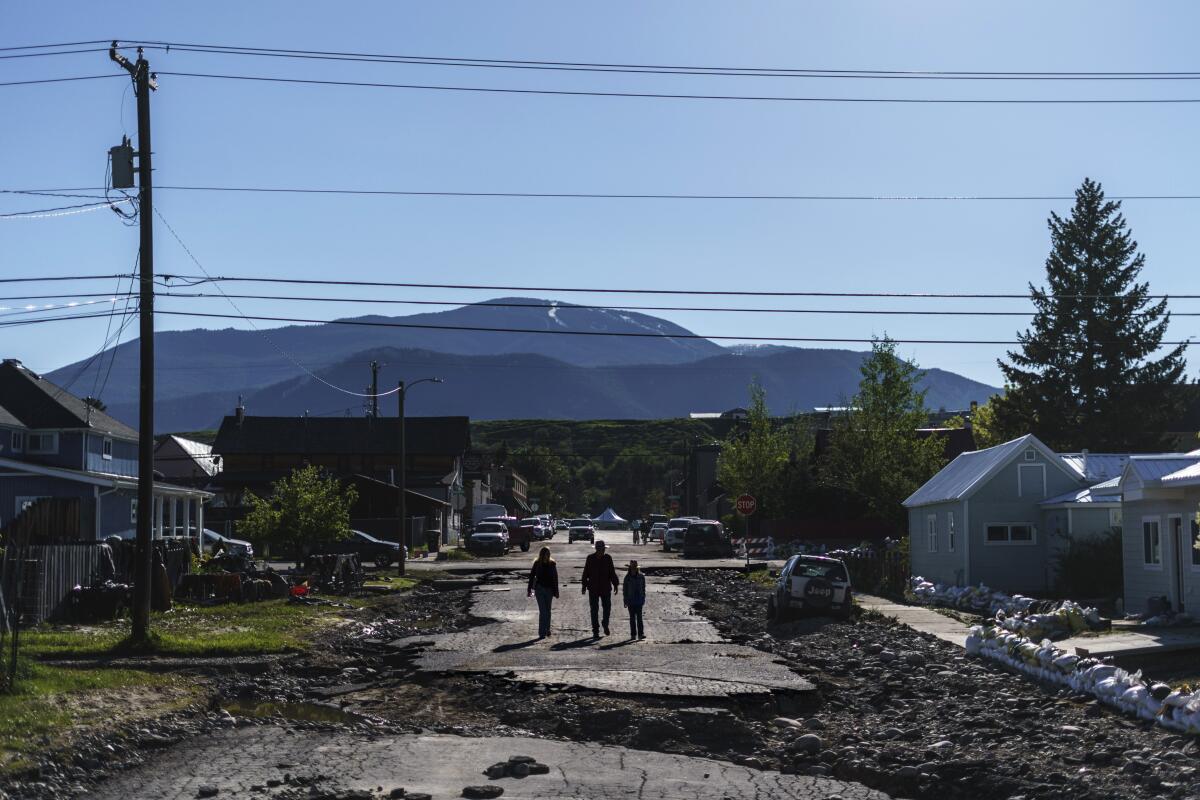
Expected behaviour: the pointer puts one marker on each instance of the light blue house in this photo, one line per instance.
(998, 516)
(55, 445)
(1160, 500)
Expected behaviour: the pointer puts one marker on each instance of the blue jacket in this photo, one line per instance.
(635, 589)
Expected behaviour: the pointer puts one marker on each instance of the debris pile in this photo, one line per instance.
(1033, 619)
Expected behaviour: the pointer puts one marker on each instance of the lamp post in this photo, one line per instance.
(402, 511)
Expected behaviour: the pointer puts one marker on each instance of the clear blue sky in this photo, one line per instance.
(227, 133)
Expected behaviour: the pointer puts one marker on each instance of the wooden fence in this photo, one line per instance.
(884, 572)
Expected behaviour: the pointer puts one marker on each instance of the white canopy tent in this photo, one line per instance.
(610, 519)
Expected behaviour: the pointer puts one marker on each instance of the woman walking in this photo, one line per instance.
(543, 584)
(635, 598)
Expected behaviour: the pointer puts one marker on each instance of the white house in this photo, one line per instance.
(1160, 497)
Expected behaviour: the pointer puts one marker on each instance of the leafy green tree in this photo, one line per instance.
(759, 459)
(306, 509)
(1085, 375)
(984, 426)
(548, 477)
(875, 452)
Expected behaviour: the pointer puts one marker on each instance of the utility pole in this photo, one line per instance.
(403, 509)
(375, 389)
(144, 83)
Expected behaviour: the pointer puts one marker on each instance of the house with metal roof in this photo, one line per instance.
(1160, 499)
(57, 448)
(999, 516)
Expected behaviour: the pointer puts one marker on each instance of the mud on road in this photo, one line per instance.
(894, 710)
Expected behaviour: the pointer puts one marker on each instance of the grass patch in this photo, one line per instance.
(272, 626)
(762, 577)
(459, 554)
(398, 584)
(49, 702)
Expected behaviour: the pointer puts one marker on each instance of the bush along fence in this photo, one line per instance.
(1036, 619)
(1128, 692)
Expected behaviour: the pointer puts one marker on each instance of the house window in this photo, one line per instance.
(1151, 543)
(1031, 455)
(106, 448)
(950, 533)
(1017, 533)
(1114, 517)
(1031, 480)
(18, 441)
(133, 511)
(42, 443)
(931, 530)
(1195, 542)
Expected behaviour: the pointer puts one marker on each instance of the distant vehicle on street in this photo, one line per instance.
(657, 531)
(651, 520)
(562, 525)
(533, 529)
(485, 511)
(368, 548)
(517, 537)
(707, 537)
(581, 530)
(211, 542)
(489, 537)
(673, 538)
(813, 584)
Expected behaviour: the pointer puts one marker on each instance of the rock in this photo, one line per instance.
(496, 771)
(418, 796)
(538, 768)
(519, 769)
(521, 759)
(207, 791)
(908, 771)
(481, 792)
(814, 724)
(785, 722)
(914, 659)
(809, 743)
(887, 656)
(396, 793)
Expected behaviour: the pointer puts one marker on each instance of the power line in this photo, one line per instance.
(54, 53)
(265, 335)
(573, 306)
(613, 195)
(63, 211)
(59, 80)
(618, 334)
(51, 46)
(40, 278)
(198, 279)
(326, 55)
(671, 96)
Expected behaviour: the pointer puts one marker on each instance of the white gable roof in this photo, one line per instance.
(1153, 468)
(1188, 476)
(961, 477)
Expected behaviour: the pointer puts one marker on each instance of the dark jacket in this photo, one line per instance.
(544, 576)
(599, 573)
(635, 589)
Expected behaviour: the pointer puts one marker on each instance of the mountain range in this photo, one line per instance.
(516, 373)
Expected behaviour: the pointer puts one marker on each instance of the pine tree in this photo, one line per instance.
(1084, 375)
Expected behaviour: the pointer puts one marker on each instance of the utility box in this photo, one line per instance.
(121, 161)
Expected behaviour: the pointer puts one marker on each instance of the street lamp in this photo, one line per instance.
(403, 504)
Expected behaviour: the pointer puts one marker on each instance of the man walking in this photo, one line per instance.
(599, 581)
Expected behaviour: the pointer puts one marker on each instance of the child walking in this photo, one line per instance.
(635, 598)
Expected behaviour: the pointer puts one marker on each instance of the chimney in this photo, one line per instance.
(240, 412)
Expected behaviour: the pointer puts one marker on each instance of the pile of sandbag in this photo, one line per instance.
(1066, 619)
(977, 599)
(1110, 685)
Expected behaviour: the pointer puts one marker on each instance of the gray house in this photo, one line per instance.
(997, 516)
(1160, 500)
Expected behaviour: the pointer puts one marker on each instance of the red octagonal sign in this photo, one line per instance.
(746, 504)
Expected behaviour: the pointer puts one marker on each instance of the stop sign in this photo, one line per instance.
(746, 504)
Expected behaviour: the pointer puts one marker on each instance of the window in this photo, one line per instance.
(931, 529)
(1114, 517)
(1195, 542)
(42, 443)
(133, 511)
(1017, 533)
(1151, 543)
(1031, 454)
(106, 448)
(1031, 480)
(950, 543)
(18, 441)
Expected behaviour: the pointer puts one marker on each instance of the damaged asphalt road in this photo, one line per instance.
(858, 706)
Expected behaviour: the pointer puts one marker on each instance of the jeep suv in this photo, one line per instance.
(811, 583)
(581, 530)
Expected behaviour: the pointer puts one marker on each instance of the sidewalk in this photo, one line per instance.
(918, 618)
(1140, 642)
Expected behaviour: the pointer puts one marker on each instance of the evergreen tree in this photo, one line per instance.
(875, 452)
(1084, 375)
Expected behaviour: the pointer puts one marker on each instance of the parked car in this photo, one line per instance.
(211, 542)
(707, 538)
(650, 521)
(811, 584)
(532, 529)
(368, 548)
(657, 531)
(673, 538)
(516, 536)
(562, 525)
(581, 530)
(490, 537)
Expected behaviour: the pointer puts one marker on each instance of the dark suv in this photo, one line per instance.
(707, 537)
